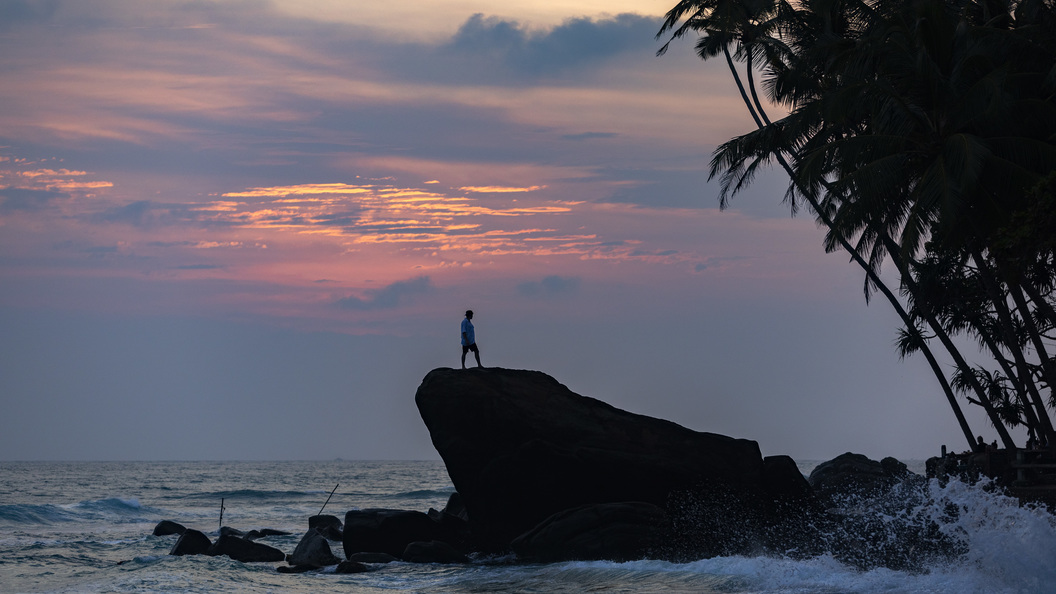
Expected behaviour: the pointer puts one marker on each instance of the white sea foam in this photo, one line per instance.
(1010, 549)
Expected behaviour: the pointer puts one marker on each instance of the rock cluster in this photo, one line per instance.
(550, 475)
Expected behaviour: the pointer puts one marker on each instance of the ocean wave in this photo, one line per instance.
(422, 494)
(114, 509)
(251, 495)
(34, 514)
(111, 504)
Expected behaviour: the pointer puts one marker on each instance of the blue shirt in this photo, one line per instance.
(467, 333)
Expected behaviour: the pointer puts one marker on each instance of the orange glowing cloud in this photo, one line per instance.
(499, 189)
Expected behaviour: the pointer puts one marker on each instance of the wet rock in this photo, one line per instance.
(229, 531)
(294, 568)
(433, 551)
(166, 527)
(352, 567)
(607, 531)
(264, 533)
(245, 551)
(849, 475)
(372, 558)
(455, 507)
(313, 550)
(329, 526)
(191, 542)
(386, 530)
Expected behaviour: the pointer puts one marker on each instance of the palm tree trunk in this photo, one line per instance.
(1022, 392)
(870, 273)
(1040, 304)
(1004, 318)
(940, 332)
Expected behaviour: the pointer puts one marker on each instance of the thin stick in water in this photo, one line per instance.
(328, 499)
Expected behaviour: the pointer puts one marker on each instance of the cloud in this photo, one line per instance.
(26, 11)
(23, 200)
(571, 46)
(550, 286)
(389, 297)
(499, 189)
(141, 213)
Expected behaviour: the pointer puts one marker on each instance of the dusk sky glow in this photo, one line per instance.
(247, 230)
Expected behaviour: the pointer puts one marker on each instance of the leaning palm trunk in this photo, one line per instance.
(1040, 304)
(1048, 371)
(928, 315)
(1004, 317)
(758, 114)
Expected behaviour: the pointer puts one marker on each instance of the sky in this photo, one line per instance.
(247, 229)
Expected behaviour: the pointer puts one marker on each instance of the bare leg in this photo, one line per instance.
(477, 355)
(464, 360)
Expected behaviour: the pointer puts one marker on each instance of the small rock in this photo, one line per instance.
(372, 558)
(166, 527)
(191, 542)
(294, 568)
(264, 533)
(245, 551)
(329, 526)
(313, 551)
(351, 567)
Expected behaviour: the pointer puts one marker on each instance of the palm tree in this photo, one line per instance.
(905, 130)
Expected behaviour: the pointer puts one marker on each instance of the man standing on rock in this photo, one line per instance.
(469, 340)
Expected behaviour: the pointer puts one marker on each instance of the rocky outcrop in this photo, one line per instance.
(609, 531)
(520, 447)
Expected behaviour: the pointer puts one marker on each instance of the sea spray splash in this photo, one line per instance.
(1009, 544)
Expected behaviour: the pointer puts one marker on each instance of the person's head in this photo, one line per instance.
(469, 313)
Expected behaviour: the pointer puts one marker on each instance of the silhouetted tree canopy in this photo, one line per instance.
(922, 135)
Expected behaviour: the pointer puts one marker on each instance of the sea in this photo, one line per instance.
(87, 527)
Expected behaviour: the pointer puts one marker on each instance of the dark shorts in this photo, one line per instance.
(469, 347)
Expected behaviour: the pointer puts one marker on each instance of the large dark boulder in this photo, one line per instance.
(851, 475)
(313, 550)
(386, 531)
(244, 550)
(611, 531)
(191, 542)
(520, 447)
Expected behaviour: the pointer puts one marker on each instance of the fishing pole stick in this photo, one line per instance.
(328, 498)
(221, 512)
